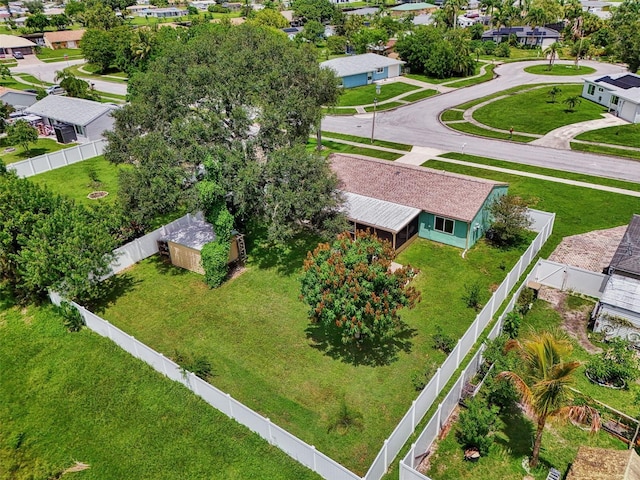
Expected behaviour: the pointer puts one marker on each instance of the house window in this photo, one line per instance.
(591, 90)
(444, 225)
(614, 100)
(79, 129)
(380, 70)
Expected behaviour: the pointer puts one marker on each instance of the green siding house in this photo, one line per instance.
(400, 201)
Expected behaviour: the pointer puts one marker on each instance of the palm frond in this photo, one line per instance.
(582, 414)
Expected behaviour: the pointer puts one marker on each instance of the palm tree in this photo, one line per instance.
(552, 51)
(572, 102)
(544, 387)
(454, 6)
(553, 92)
(536, 17)
(489, 5)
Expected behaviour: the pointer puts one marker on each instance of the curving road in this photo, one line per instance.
(418, 124)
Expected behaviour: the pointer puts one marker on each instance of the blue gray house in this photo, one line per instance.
(358, 70)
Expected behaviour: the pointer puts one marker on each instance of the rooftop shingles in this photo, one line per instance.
(459, 197)
(75, 111)
(626, 260)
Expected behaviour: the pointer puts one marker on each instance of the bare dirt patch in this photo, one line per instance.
(98, 194)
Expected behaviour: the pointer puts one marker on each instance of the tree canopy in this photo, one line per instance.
(625, 24)
(241, 97)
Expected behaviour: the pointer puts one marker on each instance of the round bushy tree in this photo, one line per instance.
(348, 285)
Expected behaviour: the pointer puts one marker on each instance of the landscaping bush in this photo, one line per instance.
(476, 425)
(214, 257)
(510, 221)
(617, 364)
(73, 320)
(489, 47)
(525, 300)
(197, 364)
(420, 380)
(512, 322)
(442, 341)
(471, 295)
(503, 50)
(499, 393)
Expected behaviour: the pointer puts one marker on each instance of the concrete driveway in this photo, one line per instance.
(418, 124)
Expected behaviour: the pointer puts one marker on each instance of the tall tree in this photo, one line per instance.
(74, 86)
(545, 382)
(22, 133)
(37, 22)
(60, 21)
(625, 24)
(98, 48)
(100, 16)
(318, 10)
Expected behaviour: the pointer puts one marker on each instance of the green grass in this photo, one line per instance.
(509, 91)
(488, 75)
(365, 95)
(379, 143)
(10, 62)
(42, 146)
(88, 71)
(452, 115)
(414, 97)
(543, 171)
(617, 152)
(559, 69)
(339, 111)
(627, 135)
(49, 54)
(330, 147)
(255, 331)
(77, 396)
(385, 106)
(540, 115)
(74, 181)
(483, 132)
(423, 78)
(30, 78)
(578, 209)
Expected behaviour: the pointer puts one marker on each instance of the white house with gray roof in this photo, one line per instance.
(620, 93)
(358, 70)
(89, 119)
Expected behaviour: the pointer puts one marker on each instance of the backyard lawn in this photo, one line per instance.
(541, 115)
(627, 135)
(559, 69)
(67, 397)
(42, 146)
(365, 95)
(255, 332)
(80, 179)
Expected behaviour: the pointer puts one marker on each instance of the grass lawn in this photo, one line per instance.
(365, 95)
(57, 55)
(74, 181)
(488, 75)
(483, 132)
(42, 146)
(452, 115)
(414, 97)
(77, 396)
(509, 91)
(35, 80)
(385, 106)
(540, 115)
(617, 152)
(559, 69)
(88, 71)
(627, 135)
(423, 78)
(329, 147)
(339, 111)
(578, 209)
(544, 171)
(379, 143)
(255, 332)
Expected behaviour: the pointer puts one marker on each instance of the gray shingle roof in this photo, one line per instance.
(195, 236)
(622, 292)
(626, 260)
(459, 197)
(75, 111)
(353, 65)
(378, 213)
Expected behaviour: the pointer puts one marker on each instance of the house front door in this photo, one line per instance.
(369, 78)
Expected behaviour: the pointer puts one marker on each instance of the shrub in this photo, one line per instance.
(198, 365)
(214, 258)
(420, 380)
(525, 300)
(503, 50)
(73, 320)
(489, 47)
(443, 342)
(512, 322)
(616, 364)
(471, 295)
(476, 424)
(510, 220)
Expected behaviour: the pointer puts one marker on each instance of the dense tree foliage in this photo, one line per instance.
(509, 220)
(349, 287)
(437, 53)
(74, 86)
(625, 24)
(238, 100)
(49, 242)
(318, 10)
(21, 133)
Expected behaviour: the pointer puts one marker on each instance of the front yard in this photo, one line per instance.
(255, 332)
(365, 95)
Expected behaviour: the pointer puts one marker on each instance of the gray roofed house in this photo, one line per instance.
(619, 92)
(441, 206)
(88, 118)
(18, 99)
(358, 70)
(525, 35)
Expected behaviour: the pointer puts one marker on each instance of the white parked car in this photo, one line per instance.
(55, 90)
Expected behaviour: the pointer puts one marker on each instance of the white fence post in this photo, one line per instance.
(386, 454)
(413, 415)
(230, 406)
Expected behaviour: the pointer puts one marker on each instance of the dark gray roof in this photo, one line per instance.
(521, 32)
(75, 111)
(626, 260)
(195, 236)
(622, 292)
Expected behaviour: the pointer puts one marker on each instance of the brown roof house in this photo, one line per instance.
(65, 39)
(604, 464)
(400, 201)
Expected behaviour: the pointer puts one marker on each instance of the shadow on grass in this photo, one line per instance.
(164, 266)
(286, 259)
(519, 433)
(367, 352)
(112, 288)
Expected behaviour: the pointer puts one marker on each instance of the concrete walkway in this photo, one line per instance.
(419, 155)
(561, 137)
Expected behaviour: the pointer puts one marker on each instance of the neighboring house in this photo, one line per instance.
(539, 36)
(465, 22)
(89, 119)
(18, 99)
(604, 464)
(136, 9)
(63, 39)
(36, 37)
(184, 246)
(419, 8)
(358, 70)
(203, 4)
(618, 310)
(343, 1)
(171, 12)
(292, 32)
(399, 202)
(9, 44)
(619, 92)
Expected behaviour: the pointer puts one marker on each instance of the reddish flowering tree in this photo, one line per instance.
(348, 285)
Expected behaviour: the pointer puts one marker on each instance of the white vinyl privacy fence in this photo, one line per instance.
(307, 455)
(59, 159)
(543, 222)
(566, 277)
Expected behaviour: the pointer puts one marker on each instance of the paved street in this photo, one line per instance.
(417, 124)
(47, 72)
